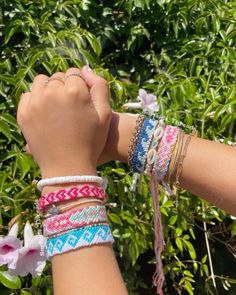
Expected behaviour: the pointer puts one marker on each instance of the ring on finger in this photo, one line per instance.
(74, 74)
(54, 78)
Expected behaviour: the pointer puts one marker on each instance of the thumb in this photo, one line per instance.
(99, 91)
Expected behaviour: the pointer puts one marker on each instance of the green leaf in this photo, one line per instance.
(9, 281)
(115, 218)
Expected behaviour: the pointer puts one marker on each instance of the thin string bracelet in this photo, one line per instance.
(180, 165)
(54, 210)
(71, 179)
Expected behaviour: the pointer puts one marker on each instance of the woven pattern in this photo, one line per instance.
(144, 139)
(73, 219)
(83, 237)
(165, 150)
(81, 191)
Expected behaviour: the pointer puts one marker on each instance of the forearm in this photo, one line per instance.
(209, 168)
(90, 270)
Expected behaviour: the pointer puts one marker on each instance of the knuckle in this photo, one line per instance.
(73, 91)
(39, 77)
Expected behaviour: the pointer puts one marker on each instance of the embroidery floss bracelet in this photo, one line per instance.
(79, 238)
(71, 193)
(73, 219)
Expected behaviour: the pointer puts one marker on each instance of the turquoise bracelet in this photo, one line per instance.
(79, 238)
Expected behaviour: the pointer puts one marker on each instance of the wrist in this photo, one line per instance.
(120, 133)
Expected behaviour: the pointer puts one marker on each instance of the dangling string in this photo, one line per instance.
(158, 277)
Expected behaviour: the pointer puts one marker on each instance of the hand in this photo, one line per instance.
(65, 122)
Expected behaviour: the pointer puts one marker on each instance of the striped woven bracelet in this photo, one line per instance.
(80, 191)
(73, 219)
(79, 238)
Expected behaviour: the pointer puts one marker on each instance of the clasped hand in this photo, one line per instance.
(65, 120)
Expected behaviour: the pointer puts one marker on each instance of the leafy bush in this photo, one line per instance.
(185, 53)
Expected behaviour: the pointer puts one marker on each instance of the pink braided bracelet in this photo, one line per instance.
(165, 150)
(73, 219)
(71, 193)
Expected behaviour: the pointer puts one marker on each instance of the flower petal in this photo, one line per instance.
(28, 234)
(14, 230)
(31, 258)
(133, 105)
(8, 247)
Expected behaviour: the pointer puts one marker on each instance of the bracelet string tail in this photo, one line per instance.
(158, 277)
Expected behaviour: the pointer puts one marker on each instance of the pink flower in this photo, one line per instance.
(30, 258)
(147, 102)
(9, 245)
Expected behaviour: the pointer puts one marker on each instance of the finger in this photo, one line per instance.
(75, 84)
(22, 113)
(38, 85)
(99, 90)
(56, 82)
(27, 149)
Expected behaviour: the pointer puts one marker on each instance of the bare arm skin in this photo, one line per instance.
(209, 168)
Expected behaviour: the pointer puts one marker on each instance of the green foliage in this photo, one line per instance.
(184, 52)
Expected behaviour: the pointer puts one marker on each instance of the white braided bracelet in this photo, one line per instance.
(71, 179)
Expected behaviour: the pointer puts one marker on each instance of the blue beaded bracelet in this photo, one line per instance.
(79, 238)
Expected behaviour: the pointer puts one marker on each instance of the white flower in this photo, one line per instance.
(146, 102)
(9, 245)
(30, 258)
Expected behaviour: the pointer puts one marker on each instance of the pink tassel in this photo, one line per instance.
(158, 277)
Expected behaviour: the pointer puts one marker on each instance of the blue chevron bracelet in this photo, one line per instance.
(79, 238)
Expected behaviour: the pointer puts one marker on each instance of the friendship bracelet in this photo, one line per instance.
(175, 156)
(165, 150)
(55, 210)
(143, 143)
(71, 193)
(180, 164)
(73, 219)
(134, 139)
(152, 153)
(79, 238)
(71, 179)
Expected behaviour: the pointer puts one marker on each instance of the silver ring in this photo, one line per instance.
(74, 74)
(54, 78)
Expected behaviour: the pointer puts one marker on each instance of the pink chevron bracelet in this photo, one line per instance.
(74, 219)
(80, 191)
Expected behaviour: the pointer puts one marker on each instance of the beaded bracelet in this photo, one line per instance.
(71, 179)
(79, 238)
(71, 193)
(73, 219)
(134, 139)
(144, 139)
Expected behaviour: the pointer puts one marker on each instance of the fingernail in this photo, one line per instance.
(88, 68)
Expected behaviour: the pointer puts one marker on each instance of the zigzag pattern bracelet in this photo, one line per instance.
(80, 191)
(79, 238)
(73, 219)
